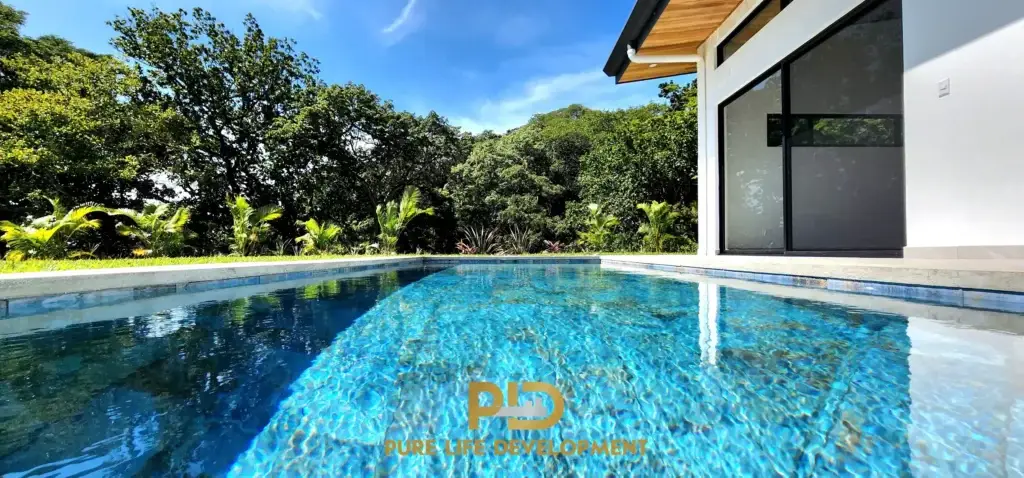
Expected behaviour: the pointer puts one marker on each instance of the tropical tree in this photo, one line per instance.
(661, 218)
(393, 218)
(250, 225)
(319, 238)
(160, 232)
(231, 88)
(49, 237)
(599, 228)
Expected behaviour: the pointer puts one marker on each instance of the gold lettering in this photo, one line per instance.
(476, 410)
(389, 446)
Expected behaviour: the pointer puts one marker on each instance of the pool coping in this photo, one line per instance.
(78, 289)
(837, 280)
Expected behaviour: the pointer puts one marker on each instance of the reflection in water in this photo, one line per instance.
(709, 323)
(177, 392)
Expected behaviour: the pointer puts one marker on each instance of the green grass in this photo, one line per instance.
(35, 265)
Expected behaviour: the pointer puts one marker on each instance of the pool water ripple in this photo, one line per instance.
(719, 380)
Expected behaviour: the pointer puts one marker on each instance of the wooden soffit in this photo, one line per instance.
(666, 27)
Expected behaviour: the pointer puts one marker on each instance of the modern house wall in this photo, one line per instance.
(795, 26)
(964, 151)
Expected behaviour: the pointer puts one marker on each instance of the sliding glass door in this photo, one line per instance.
(846, 118)
(753, 169)
(812, 157)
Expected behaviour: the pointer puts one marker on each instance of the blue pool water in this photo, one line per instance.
(719, 379)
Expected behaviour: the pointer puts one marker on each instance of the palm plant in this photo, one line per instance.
(250, 225)
(49, 237)
(160, 233)
(319, 238)
(393, 218)
(479, 241)
(661, 218)
(599, 228)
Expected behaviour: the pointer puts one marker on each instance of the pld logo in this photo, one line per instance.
(532, 409)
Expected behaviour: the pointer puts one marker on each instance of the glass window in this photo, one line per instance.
(753, 170)
(846, 126)
(753, 24)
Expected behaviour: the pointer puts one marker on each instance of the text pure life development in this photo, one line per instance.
(514, 447)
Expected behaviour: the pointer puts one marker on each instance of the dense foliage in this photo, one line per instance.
(189, 113)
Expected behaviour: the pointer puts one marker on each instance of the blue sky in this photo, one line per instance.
(485, 64)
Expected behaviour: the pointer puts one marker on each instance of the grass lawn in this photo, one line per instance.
(35, 265)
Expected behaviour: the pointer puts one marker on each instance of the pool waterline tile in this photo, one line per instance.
(980, 299)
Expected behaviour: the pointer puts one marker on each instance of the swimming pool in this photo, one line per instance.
(716, 377)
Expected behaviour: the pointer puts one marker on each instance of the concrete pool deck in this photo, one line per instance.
(981, 274)
(985, 284)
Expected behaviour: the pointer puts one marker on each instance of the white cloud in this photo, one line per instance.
(589, 88)
(402, 18)
(305, 7)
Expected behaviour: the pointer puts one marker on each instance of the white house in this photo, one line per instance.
(848, 127)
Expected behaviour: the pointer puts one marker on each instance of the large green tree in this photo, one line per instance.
(231, 90)
(505, 181)
(198, 113)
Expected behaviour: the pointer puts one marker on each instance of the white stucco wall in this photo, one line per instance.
(965, 151)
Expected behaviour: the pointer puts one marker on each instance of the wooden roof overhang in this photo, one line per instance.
(665, 27)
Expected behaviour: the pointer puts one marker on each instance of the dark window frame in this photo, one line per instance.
(720, 50)
(787, 161)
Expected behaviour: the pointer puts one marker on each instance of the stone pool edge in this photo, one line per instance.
(984, 299)
(78, 289)
(20, 293)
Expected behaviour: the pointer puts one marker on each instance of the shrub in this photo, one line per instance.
(553, 247)
(599, 228)
(661, 218)
(393, 218)
(479, 241)
(49, 237)
(158, 234)
(250, 225)
(319, 239)
(519, 240)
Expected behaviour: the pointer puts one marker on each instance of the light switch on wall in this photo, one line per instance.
(944, 88)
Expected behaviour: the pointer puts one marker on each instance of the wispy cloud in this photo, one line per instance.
(305, 7)
(402, 18)
(589, 88)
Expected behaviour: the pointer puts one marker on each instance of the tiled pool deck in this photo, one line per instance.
(982, 284)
